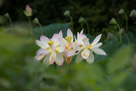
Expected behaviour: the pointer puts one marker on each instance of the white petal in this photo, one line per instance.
(42, 52)
(61, 47)
(86, 42)
(62, 40)
(81, 31)
(53, 47)
(96, 40)
(79, 58)
(99, 51)
(52, 57)
(97, 45)
(40, 44)
(69, 33)
(46, 60)
(60, 34)
(59, 59)
(79, 39)
(39, 57)
(55, 38)
(44, 39)
(72, 52)
(85, 53)
(90, 59)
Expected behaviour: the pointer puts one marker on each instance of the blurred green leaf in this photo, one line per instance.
(119, 60)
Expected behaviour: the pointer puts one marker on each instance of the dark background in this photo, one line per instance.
(98, 13)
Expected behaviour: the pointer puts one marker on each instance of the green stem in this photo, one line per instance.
(55, 66)
(30, 27)
(81, 25)
(11, 26)
(72, 24)
(127, 38)
(126, 22)
(88, 29)
(119, 34)
(41, 28)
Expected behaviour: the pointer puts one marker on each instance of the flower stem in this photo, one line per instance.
(30, 27)
(40, 27)
(127, 38)
(119, 34)
(11, 25)
(55, 66)
(72, 24)
(126, 22)
(88, 29)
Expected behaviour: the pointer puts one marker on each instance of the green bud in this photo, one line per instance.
(121, 11)
(113, 21)
(67, 13)
(81, 20)
(7, 15)
(133, 13)
(36, 21)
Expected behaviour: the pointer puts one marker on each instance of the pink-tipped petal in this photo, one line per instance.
(86, 42)
(40, 44)
(60, 34)
(44, 39)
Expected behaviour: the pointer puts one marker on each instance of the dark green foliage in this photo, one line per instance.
(51, 29)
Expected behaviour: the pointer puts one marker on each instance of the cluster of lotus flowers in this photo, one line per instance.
(58, 49)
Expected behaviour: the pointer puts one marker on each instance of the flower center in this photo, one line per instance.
(68, 39)
(90, 46)
(50, 42)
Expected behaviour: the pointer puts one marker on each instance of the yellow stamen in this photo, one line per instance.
(47, 48)
(69, 60)
(90, 46)
(50, 42)
(84, 55)
(57, 49)
(67, 47)
(68, 39)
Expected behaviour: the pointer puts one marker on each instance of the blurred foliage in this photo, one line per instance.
(20, 71)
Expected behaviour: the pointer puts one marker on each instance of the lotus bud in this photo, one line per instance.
(28, 11)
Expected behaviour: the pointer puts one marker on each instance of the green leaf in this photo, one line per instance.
(118, 79)
(51, 29)
(119, 60)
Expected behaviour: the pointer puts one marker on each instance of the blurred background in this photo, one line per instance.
(115, 19)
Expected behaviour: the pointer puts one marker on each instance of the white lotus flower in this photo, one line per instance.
(86, 49)
(51, 48)
(69, 45)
